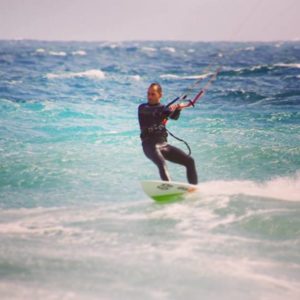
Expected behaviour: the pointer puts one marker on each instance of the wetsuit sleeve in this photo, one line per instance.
(140, 116)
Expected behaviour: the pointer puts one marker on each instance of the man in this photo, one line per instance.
(152, 119)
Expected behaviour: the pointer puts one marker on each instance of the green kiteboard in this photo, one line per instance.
(167, 191)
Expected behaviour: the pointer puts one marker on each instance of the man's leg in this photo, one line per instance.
(177, 156)
(154, 154)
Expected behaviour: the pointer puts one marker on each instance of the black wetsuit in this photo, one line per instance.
(154, 141)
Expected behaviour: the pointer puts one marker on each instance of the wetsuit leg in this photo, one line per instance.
(152, 151)
(176, 155)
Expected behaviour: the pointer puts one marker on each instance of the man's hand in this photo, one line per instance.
(174, 107)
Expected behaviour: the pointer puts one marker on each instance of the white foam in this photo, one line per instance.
(91, 74)
(252, 48)
(253, 68)
(173, 76)
(79, 52)
(40, 50)
(14, 82)
(20, 228)
(57, 53)
(258, 67)
(291, 76)
(168, 49)
(283, 188)
(148, 49)
(291, 65)
(136, 77)
(113, 46)
(169, 76)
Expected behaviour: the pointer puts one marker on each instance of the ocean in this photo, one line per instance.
(74, 221)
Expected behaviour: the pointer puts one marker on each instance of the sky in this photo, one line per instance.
(119, 20)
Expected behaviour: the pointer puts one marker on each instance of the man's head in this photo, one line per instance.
(154, 93)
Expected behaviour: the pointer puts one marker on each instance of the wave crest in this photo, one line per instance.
(178, 77)
(57, 53)
(91, 74)
(283, 188)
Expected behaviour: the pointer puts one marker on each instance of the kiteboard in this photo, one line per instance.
(167, 191)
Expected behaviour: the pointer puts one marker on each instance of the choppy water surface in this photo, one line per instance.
(74, 222)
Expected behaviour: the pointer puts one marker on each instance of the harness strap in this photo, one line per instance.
(153, 128)
(181, 140)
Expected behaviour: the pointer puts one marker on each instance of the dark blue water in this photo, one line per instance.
(74, 222)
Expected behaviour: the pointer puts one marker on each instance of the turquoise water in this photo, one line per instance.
(74, 222)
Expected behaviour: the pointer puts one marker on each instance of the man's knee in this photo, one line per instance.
(190, 162)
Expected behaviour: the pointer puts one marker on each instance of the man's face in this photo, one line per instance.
(153, 95)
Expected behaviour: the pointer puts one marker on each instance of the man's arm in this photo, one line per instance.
(175, 110)
(178, 106)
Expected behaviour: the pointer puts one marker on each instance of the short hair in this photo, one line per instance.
(157, 85)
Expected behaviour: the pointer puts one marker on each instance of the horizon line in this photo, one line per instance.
(150, 40)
